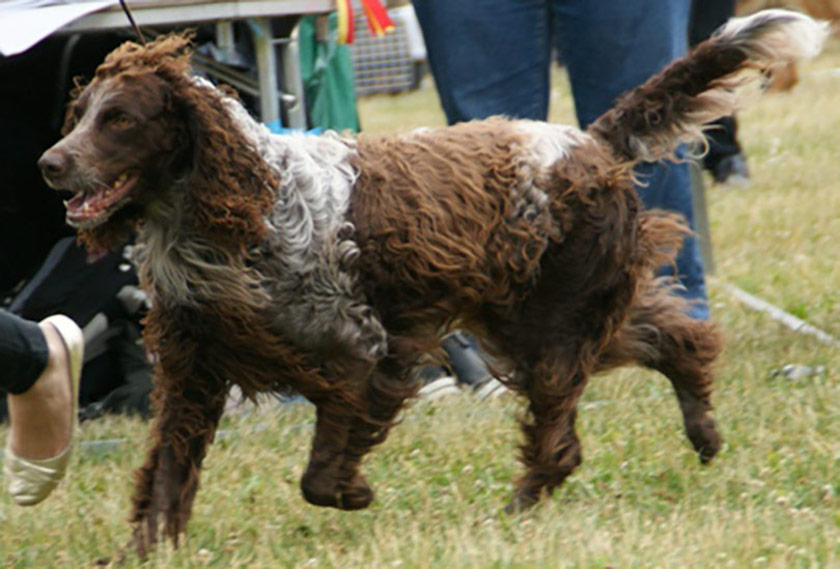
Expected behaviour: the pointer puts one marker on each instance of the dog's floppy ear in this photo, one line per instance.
(70, 119)
(230, 187)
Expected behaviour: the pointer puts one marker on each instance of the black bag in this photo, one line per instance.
(102, 297)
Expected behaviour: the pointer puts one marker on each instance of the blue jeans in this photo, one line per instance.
(492, 57)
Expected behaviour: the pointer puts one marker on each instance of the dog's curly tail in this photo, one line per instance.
(649, 122)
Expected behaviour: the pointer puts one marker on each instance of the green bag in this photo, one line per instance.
(327, 72)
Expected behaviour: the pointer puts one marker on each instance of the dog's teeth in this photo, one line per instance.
(85, 207)
(65, 202)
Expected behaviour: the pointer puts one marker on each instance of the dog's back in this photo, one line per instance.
(457, 216)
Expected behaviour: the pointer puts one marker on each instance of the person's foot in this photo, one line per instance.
(490, 389)
(732, 171)
(43, 418)
(470, 367)
(435, 382)
(40, 418)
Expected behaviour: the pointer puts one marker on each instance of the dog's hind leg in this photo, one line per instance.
(551, 450)
(187, 414)
(660, 335)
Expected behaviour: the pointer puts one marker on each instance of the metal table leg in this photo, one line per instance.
(293, 81)
(267, 70)
(266, 47)
(701, 218)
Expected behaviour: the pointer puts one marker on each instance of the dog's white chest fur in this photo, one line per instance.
(309, 255)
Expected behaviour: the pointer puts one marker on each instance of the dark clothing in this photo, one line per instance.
(34, 88)
(23, 353)
(82, 289)
(71, 284)
(706, 17)
(722, 140)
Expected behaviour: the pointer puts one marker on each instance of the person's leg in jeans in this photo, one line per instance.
(488, 57)
(40, 364)
(610, 47)
(706, 17)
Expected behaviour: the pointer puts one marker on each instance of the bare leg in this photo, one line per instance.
(41, 417)
(44, 363)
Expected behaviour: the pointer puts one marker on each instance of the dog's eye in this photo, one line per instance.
(119, 120)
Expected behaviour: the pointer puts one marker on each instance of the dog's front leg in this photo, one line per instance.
(344, 433)
(386, 391)
(188, 409)
(337, 409)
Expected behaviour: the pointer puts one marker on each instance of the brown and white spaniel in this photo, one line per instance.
(328, 264)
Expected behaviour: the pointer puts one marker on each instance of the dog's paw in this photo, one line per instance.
(522, 501)
(705, 439)
(353, 499)
(355, 496)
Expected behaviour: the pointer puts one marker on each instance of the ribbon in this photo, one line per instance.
(379, 23)
(346, 26)
(377, 18)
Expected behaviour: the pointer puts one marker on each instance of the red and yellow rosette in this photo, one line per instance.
(378, 20)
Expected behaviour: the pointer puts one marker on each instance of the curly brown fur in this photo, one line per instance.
(328, 265)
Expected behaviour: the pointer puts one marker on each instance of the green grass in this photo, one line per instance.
(640, 499)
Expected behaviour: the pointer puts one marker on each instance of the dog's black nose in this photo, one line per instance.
(53, 164)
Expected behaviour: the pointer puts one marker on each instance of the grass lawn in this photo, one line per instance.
(640, 499)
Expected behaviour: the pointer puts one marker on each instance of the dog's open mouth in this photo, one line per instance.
(91, 207)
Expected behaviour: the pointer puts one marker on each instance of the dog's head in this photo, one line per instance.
(144, 137)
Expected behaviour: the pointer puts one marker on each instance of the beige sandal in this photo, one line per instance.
(30, 481)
